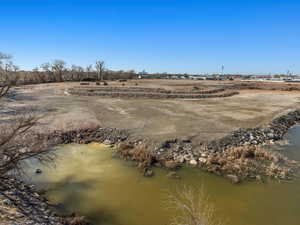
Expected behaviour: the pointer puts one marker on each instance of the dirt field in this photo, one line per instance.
(202, 120)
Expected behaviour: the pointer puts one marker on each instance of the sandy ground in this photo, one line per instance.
(202, 120)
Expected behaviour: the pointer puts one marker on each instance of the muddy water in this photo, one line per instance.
(112, 192)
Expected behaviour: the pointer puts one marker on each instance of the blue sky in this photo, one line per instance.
(258, 36)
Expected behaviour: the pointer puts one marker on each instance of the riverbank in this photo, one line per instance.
(22, 204)
(237, 156)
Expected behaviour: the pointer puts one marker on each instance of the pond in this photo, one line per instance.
(109, 191)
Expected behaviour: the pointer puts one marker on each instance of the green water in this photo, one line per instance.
(110, 191)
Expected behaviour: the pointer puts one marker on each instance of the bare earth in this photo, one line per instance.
(202, 120)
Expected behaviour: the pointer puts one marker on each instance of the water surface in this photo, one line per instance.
(87, 180)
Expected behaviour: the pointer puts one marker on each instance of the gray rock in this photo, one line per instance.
(202, 160)
(233, 178)
(193, 162)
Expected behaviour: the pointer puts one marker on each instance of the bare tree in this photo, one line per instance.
(193, 207)
(58, 68)
(100, 69)
(17, 140)
(77, 73)
(8, 74)
(46, 68)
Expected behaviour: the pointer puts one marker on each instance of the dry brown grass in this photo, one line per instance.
(193, 207)
(76, 220)
(138, 153)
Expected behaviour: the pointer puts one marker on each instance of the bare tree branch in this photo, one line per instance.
(18, 142)
(193, 207)
(100, 69)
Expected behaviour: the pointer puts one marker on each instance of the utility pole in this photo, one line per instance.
(222, 70)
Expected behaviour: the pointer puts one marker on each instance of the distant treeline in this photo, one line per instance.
(66, 75)
(57, 71)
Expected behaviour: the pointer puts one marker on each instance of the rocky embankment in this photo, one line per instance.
(20, 204)
(149, 90)
(236, 156)
(88, 135)
(118, 92)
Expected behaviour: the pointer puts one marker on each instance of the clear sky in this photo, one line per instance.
(258, 36)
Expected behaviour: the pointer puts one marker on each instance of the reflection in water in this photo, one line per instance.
(112, 192)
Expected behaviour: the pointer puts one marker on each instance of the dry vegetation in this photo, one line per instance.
(17, 142)
(193, 207)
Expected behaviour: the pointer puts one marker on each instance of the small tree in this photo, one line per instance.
(100, 69)
(58, 68)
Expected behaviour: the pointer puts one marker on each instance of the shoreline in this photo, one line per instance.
(21, 203)
(230, 156)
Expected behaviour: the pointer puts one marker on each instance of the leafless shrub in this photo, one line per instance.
(139, 153)
(4, 90)
(193, 207)
(76, 220)
(18, 142)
